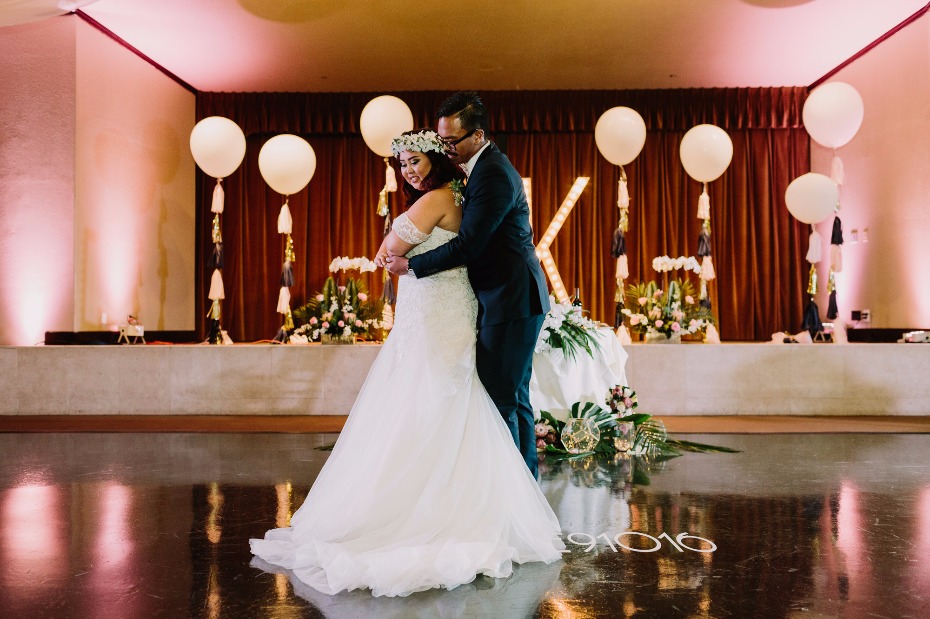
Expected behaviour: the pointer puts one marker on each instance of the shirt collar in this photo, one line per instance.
(470, 165)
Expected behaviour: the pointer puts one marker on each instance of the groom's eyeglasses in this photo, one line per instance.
(450, 143)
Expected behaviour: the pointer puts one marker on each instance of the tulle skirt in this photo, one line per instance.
(425, 487)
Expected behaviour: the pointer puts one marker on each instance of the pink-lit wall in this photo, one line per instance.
(134, 190)
(887, 189)
(37, 122)
(96, 186)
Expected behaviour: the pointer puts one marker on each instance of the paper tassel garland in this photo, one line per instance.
(812, 281)
(216, 259)
(811, 322)
(832, 310)
(216, 286)
(703, 244)
(618, 244)
(623, 194)
(623, 268)
(284, 300)
(285, 221)
(814, 247)
(707, 269)
(704, 205)
(390, 179)
(836, 236)
(287, 275)
(218, 197)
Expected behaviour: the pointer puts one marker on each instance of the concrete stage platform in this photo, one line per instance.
(263, 379)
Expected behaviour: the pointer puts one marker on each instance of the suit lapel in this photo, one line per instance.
(491, 147)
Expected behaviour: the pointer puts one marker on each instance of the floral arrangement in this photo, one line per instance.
(622, 400)
(340, 311)
(567, 329)
(652, 310)
(649, 437)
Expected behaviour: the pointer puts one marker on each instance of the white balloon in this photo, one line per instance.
(287, 163)
(383, 119)
(218, 146)
(706, 151)
(620, 133)
(812, 197)
(833, 114)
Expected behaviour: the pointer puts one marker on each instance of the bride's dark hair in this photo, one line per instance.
(442, 171)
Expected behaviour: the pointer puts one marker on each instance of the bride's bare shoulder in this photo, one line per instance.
(438, 199)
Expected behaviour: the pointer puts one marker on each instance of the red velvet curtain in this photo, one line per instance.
(758, 248)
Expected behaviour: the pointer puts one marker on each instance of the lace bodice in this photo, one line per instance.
(443, 306)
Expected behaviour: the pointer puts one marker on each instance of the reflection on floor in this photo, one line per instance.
(145, 525)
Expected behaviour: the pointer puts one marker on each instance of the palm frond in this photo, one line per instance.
(699, 447)
(651, 439)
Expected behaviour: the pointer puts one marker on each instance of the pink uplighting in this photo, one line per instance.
(36, 285)
(851, 542)
(34, 540)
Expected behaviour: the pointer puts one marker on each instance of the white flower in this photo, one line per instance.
(344, 263)
(663, 264)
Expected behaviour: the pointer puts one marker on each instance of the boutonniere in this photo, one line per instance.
(458, 191)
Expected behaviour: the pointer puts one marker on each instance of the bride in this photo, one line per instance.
(425, 487)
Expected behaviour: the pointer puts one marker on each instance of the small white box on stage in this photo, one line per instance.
(136, 332)
(916, 337)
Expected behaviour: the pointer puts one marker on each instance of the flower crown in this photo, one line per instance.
(420, 142)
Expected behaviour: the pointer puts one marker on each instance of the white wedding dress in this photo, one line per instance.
(425, 487)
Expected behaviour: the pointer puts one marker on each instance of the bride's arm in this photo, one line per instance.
(425, 214)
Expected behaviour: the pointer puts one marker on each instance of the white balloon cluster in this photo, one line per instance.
(832, 115)
(286, 162)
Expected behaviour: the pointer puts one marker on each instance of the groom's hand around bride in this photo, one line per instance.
(396, 264)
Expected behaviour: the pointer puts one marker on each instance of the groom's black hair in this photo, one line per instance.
(467, 105)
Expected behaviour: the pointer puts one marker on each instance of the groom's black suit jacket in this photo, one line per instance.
(495, 242)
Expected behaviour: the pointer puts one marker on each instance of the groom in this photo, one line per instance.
(495, 242)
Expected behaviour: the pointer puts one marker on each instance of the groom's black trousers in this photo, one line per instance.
(505, 364)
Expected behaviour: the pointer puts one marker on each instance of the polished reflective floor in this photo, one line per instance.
(157, 525)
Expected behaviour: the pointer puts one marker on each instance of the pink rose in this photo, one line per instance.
(627, 402)
(342, 288)
(362, 296)
(676, 326)
(657, 294)
(313, 320)
(358, 323)
(541, 430)
(634, 320)
(659, 323)
(642, 300)
(340, 324)
(689, 300)
(319, 297)
(325, 325)
(540, 443)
